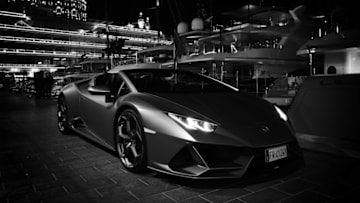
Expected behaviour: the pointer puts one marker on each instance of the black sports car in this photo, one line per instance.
(177, 122)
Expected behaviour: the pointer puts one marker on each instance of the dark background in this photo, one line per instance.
(122, 12)
(171, 12)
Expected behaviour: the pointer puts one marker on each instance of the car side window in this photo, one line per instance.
(114, 82)
(103, 80)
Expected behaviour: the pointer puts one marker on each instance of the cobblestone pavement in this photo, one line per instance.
(38, 164)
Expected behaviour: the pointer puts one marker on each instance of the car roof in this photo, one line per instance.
(119, 68)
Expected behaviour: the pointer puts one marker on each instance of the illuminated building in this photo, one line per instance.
(71, 9)
(51, 35)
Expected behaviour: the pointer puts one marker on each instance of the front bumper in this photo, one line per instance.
(218, 161)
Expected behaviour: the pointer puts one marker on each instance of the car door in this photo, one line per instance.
(98, 113)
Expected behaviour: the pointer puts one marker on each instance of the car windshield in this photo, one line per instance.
(170, 81)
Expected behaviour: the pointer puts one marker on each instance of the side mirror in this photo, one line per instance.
(99, 90)
(102, 90)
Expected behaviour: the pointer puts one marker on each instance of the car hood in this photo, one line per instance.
(240, 117)
(220, 107)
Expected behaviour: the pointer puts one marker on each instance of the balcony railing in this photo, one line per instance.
(29, 66)
(81, 34)
(32, 52)
(53, 42)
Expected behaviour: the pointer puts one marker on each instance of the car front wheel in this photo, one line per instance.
(130, 141)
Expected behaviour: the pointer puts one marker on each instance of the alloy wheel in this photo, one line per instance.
(130, 141)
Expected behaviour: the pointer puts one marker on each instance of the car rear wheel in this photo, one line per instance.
(130, 141)
(62, 117)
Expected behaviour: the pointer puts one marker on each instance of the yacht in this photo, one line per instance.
(250, 53)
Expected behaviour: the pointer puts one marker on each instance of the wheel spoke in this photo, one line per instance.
(121, 150)
(128, 127)
(61, 117)
(62, 108)
(124, 153)
(134, 150)
(138, 135)
(127, 162)
(61, 126)
(121, 134)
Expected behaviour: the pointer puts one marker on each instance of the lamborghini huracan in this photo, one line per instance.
(177, 122)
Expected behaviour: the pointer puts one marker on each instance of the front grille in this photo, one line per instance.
(219, 156)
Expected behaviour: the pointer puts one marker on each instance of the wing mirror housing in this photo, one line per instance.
(102, 90)
(99, 90)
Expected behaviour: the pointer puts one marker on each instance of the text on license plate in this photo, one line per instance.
(276, 153)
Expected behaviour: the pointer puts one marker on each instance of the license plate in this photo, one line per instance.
(276, 153)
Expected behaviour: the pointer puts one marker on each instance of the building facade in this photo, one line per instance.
(50, 35)
(70, 9)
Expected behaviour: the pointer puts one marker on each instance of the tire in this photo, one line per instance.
(130, 141)
(62, 117)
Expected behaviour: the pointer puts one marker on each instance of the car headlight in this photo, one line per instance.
(193, 124)
(281, 113)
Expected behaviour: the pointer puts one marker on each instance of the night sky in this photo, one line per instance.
(121, 12)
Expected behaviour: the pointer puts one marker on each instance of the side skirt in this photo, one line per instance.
(88, 134)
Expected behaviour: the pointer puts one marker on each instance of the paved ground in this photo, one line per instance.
(38, 164)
